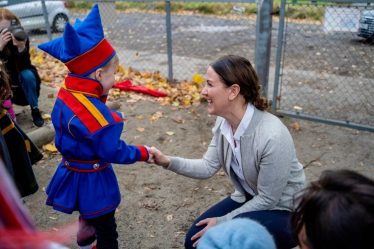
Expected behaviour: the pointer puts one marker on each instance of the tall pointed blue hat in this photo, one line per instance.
(82, 48)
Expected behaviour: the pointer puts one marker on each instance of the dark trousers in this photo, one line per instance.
(277, 222)
(105, 232)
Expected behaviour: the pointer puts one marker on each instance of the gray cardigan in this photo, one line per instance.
(269, 162)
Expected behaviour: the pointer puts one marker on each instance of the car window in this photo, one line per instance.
(12, 2)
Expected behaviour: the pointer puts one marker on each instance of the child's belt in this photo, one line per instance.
(84, 166)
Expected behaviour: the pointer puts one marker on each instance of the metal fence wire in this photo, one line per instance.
(325, 70)
(140, 37)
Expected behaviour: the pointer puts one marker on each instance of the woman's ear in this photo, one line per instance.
(234, 91)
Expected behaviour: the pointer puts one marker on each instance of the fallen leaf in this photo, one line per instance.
(178, 119)
(51, 148)
(156, 116)
(46, 116)
(169, 217)
(140, 129)
(295, 126)
(170, 133)
(297, 108)
(221, 173)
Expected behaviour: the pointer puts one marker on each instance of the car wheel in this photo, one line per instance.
(59, 23)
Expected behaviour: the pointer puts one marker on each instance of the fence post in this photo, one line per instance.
(45, 14)
(169, 40)
(263, 42)
(278, 58)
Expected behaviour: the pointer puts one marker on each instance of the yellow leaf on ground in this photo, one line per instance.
(140, 129)
(46, 116)
(51, 148)
(156, 116)
(170, 133)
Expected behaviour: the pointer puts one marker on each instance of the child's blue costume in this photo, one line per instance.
(87, 131)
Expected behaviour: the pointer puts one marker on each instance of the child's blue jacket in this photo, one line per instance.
(88, 137)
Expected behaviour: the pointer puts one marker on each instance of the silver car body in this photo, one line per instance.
(31, 15)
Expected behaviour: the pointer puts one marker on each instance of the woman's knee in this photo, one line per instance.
(188, 242)
(27, 76)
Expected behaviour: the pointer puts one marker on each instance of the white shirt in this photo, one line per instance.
(234, 141)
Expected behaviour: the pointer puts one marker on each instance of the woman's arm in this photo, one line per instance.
(195, 168)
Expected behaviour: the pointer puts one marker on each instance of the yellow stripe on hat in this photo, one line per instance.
(91, 108)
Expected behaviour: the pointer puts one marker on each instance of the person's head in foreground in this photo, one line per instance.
(336, 212)
(237, 233)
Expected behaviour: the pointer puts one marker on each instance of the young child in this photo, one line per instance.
(88, 133)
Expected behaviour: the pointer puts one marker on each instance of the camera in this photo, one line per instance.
(17, 30)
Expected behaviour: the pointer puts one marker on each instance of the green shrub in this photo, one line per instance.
(313, 12)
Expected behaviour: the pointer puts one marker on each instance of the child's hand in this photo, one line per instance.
(159, 158)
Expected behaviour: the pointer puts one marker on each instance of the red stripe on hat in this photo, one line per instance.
(79, 110)
(91, 59)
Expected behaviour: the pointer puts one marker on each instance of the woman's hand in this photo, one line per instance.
(5, 37)
(159, 158)
(209, 222)
(21, 45)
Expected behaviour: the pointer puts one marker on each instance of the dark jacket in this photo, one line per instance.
(15, 62)
(23, 153)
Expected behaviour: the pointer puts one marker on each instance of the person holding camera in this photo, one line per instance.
(14, 51)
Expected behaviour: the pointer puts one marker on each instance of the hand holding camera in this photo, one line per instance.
(16, 33)
(5, 37)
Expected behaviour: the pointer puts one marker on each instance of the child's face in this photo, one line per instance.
(106, 76)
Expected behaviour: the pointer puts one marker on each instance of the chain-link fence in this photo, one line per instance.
(323, 70)
(325, 66)
(139, 31)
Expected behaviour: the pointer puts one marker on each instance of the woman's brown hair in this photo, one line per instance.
(233, 69)
(5, 90)
(6, 14)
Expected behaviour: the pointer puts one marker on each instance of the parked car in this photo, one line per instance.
(31, 15)
(366, 25)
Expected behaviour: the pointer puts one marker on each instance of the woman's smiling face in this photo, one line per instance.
(216, 93)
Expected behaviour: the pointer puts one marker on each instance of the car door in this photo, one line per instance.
(29, 12)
